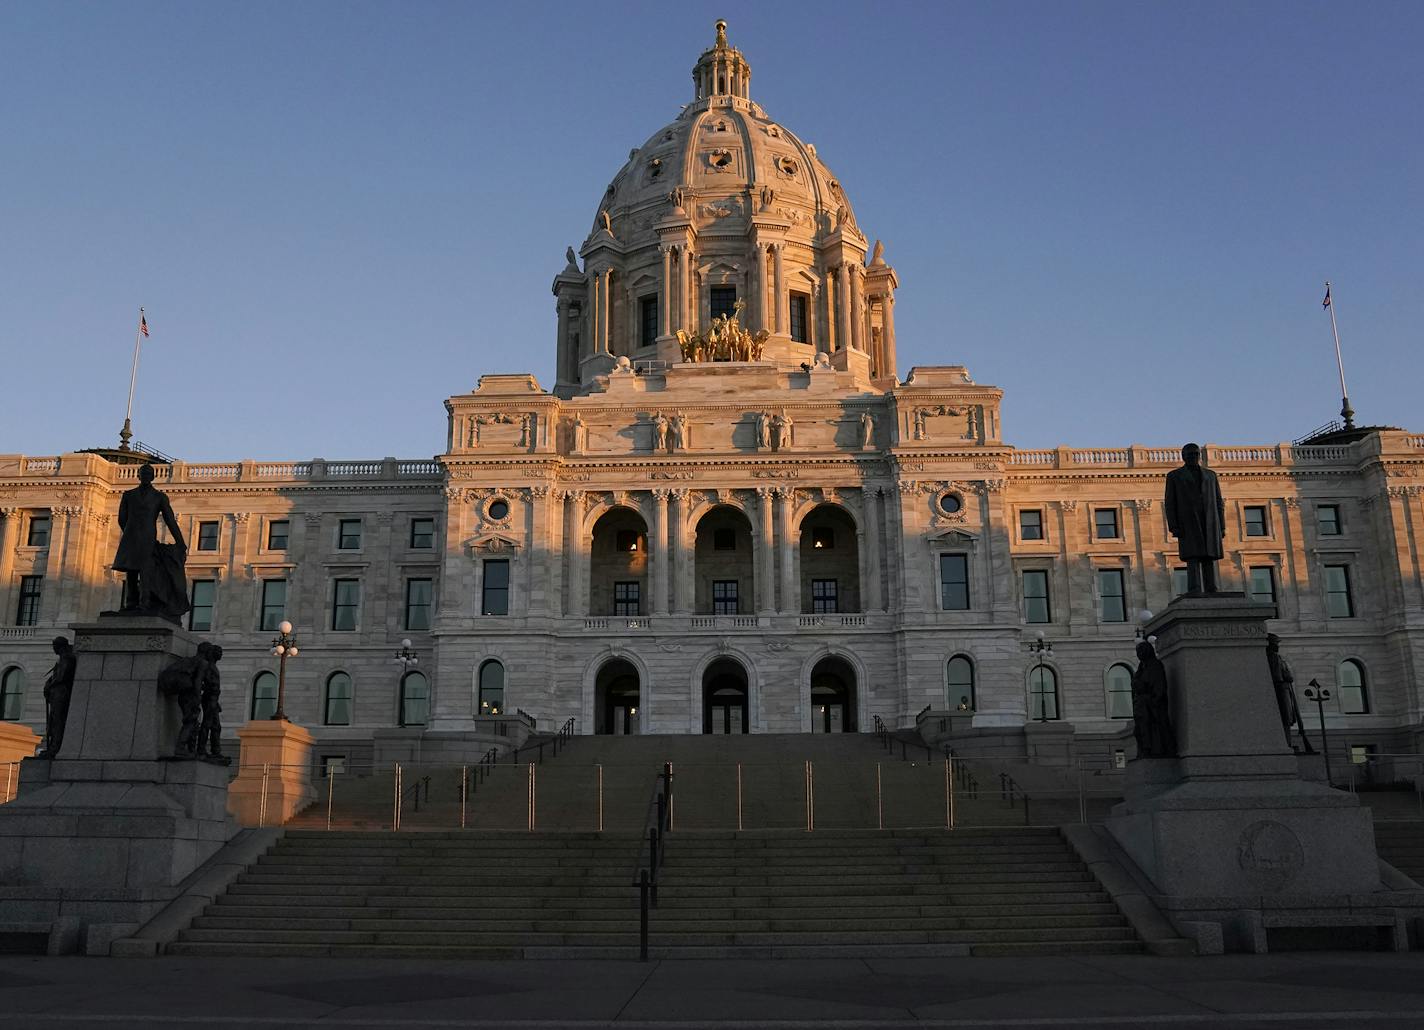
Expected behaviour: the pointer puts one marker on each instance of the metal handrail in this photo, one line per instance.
(888, 741)
(414, 792)
(660, 815)
(1008, 788)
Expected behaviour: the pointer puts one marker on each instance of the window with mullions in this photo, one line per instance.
(12, 694)
(28, 611)
(495, 600)
(1327, 517)
(954, 582)
(38, 533)
(338, 700)
(208, 536)
(277, 533)
(1339, 604)
(1179, 582)
(1263, 584)
(418, 596)
(1119, 684)
(722, 300)
(648, 321)
(1112, 601)
(1255, 516)
(1031, 524)
(274, 603)
(800, 310)
(959, 676)
(414, 709)
(1354, 696)
(264, 695)
(1105, 523)
(345, 604)
(491, 688)
(1035, 594)
(724, 597)
(1042, 692)
(200, 611)
(422, 534)
(627, 598)
(348, 535)
(825, 597)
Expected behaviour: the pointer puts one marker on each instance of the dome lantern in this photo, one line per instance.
(721, 71)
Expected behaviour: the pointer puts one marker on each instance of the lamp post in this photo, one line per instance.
(1315, 692)
(1143, 618)
(284, 646)
(1041, 647)
(405, 658)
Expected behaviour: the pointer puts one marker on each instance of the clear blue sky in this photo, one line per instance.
(338, 214)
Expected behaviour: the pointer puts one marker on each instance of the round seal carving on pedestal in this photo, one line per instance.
(1270, 854)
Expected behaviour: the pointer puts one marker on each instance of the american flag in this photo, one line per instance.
(1326, 302)
(143, 323)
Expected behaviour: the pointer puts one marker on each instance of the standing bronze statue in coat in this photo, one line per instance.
(1151, 706)
(154, 583)
(1196, 516)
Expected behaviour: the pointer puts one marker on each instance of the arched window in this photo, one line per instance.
(12, 693)
(1354, 693)
(414, 699)
(960, 677)
(1042, 693)
(338, 700)
(264, 695)
(1119, 684)
(491, 688)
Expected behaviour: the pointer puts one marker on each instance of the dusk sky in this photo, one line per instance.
(339, 214)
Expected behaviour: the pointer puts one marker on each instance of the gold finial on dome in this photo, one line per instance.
(721, 71)
(721, 34)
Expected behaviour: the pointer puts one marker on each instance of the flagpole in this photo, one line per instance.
(1346, 412)
(126, 433)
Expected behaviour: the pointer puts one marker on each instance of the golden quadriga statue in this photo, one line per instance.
(725, 340)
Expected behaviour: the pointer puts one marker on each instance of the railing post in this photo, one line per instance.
(600, 797)
(262, 805)
(1082, 798)
(643, 889)
(739, 796)
(396, 804)
(464, 792)
(653, 865)
(948, 796)
(330, 790)
(532, 796)
(879, 803)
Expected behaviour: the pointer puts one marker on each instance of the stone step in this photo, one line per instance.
(620, 908)
(750, 878)
(868, 866)
(677, 843)
(694, 893)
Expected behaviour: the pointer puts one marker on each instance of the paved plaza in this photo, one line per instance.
(1317, 990)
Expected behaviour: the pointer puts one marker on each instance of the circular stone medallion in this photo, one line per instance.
(1270, 854)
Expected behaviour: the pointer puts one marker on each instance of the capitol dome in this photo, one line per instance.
(724, 213)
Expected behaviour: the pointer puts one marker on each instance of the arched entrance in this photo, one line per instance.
(725, 570)
(830, 562)
(617, 698)
(833, 696)
(725, 707)
(618, 565)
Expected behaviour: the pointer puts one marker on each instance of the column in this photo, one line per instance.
(659, 551)
(681, 575)
(872, 595)
(783, 307)
(760, 314)
(59, 530)
(576, 557)
(790, 591)
(665, 294)
(9, 528)
(595, 294)
(605, 311)
(689, 293)
(765, 553)
(857, 307)
(843, 332)
(887, 335)
(561, 368)
(828, 311)
(553, 551)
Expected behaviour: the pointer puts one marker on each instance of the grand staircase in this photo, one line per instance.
(494, 889)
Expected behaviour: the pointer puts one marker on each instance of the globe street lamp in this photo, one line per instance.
(1041, 647)
(284, 646)
(1315, 692)
(405, 658)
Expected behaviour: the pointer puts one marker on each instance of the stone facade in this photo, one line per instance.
(801, 511)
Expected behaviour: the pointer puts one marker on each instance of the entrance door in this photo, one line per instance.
(828, 718)
(724, 698)
(727, 715)
(832, 696)
(625, 720)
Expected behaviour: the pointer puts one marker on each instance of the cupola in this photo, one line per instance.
(721, 71)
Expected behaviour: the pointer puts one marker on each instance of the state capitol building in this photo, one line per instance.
(732, 512)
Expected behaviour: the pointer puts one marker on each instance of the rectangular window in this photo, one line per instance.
(338, 700)
(1035, 592)
(28, 613)
(1338, 602)
(496, 587)
(800, 309)
(38, 535)
(422, 534)
(1263, 584)
(1179, 582)
(208, 535)
(627, 599)
(724, 540)
(724, 597)
(1031, 524)
(722, 300)
(1105, 522)
(348, 535)
(1111, 599)
(1327, 517)
(648, 320)
(1255, 515)
(345, 604)
(332, 765)
(954, 582)
(274, 603)
(418, 594)
(277, 531)
(200, 614)
(825, 598)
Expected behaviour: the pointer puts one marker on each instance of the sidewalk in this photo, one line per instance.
(1320, 989)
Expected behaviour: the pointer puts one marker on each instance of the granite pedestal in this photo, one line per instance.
(274, 776)
(1237, 833)
(99, 839)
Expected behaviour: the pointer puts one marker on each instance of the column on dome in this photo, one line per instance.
(857, 306)
(765, 552)
(689, 292)
(659, 550)
(759, 293)
(887, 335)
(844, 339)
(595, 311)
(783, 308)
(826, 312)
(665, 292)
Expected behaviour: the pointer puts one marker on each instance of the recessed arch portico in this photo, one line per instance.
(848, 665)
(619, 669)
(754, 720)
